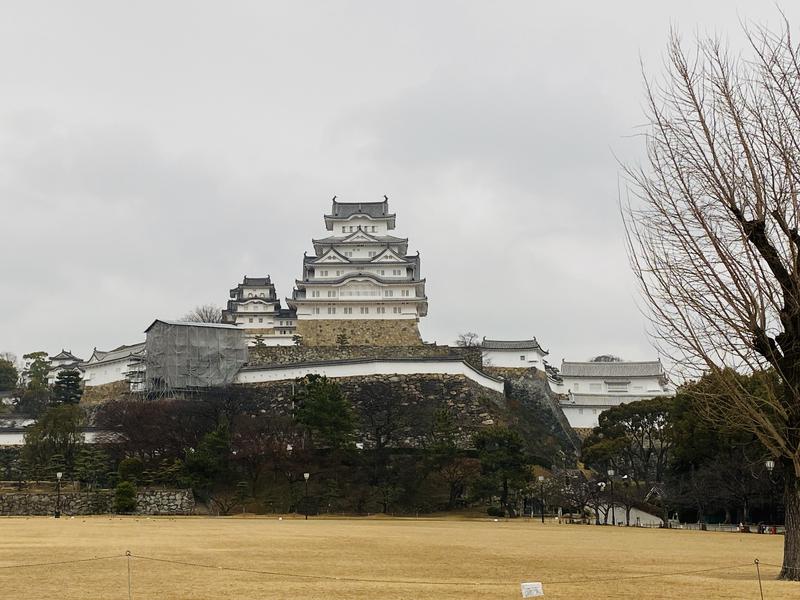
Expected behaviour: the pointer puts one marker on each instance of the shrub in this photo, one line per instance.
(130, 469)
(125, 497)
(495, 511)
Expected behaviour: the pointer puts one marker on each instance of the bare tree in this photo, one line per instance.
(712, 231)
(204, 313)
(468, 339)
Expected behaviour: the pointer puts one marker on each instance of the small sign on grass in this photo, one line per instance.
(531, 589)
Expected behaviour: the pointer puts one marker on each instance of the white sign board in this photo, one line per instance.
(531, 589)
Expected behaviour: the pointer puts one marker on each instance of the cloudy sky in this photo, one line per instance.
(153, 153)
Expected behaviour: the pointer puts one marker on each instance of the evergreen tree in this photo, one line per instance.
(324, 410)
(67, 388)
(503, 463)
(38, 370)
(8, 375)
(57, 433)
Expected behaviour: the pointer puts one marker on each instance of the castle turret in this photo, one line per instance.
(255, 307)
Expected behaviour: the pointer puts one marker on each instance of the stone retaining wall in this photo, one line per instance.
(285, 355)
(148, 502)
(402, 407)
(360, 332)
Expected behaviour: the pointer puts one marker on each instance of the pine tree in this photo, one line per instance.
(67, 388)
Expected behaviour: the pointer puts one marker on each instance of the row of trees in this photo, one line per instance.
(37, 394)
(666, 451)
(231, 452)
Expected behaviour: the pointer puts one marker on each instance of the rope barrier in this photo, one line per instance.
(648, 575)
(129, 556)
(322, 577)
(60, 562)
(428, 582)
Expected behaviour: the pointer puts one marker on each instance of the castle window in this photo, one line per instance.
(260, 320)
(316, 310)
(371, 253)
(331, 293)
(250, 319)
(343, 230)
(331, 310)
(522, 357)
(348, 310)
(406, 292)
(373, 229)
(365, 310)
(388, 292)
(396, 310)
(381, 310)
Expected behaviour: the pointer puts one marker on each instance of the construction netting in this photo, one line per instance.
(183, 355)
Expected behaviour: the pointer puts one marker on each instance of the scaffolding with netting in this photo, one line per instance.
(190, 356)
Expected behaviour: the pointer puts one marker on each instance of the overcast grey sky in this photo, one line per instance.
(152, 153)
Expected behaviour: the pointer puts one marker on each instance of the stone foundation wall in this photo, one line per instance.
(401, 408)
(148, 502)
(529, 387)
(97, 394)
(366, 332)
(285, 355)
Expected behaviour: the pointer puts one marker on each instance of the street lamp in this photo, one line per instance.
(305, 500)
(57, 514)
(613, 512)
(541, 495)
(602, 486)
(770, 464)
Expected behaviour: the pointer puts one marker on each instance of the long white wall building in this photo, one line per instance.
(591, 387)
(515, 354)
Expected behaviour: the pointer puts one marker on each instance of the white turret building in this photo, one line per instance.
(360, 282)
(589, 388)
(254, 306)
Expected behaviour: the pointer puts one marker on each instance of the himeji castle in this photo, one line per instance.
(360, 282)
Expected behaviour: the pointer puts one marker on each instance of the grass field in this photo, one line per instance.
(393, 559)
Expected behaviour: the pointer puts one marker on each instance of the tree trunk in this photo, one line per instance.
(791, 541)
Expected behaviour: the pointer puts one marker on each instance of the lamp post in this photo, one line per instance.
(541, 495)
(611, 481)
(602, 487)
(57, 514)
(305, 500)
(770, 464)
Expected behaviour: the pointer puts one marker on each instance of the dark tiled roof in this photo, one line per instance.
(512, 345)
(65, 355)
(253, 282)
(286, 313)
(117, 353)
(358, 275)
(257, 280)
(312, 260)
(344, 239)
(650, 368)
(376, 210)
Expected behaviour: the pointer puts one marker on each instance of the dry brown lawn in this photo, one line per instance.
(393, 559)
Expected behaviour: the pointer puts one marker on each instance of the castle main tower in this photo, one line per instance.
(360, 283)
